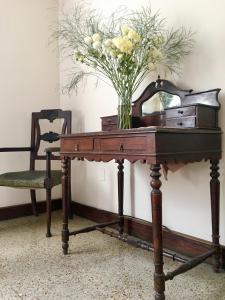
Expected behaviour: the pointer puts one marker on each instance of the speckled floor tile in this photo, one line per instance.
(98, 267)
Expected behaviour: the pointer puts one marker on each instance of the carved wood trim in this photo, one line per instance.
(49, 137)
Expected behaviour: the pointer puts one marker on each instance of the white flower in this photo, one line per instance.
(120, 56)
(97, 45)
(96, 37)
(108, 43)
(88, 40)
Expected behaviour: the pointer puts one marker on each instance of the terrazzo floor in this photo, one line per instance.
(98, 267)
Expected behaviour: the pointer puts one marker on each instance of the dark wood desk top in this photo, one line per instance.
(148, 145)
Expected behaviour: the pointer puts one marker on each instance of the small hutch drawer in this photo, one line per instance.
(199, 116)
(188, 122)
(180, 112)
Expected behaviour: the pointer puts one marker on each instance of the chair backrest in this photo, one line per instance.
(37, 136)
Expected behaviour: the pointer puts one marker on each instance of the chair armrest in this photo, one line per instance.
(52, 149)
(15, 149)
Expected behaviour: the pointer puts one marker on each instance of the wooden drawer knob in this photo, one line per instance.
(76, 147)
(179, 123)
(180, 112)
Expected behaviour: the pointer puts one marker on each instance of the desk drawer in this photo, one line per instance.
(123, 144)
(76, 145)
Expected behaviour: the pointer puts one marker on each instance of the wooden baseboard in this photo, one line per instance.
(16, 211)
(174, 241)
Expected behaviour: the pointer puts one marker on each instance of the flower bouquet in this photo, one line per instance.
(121, 50)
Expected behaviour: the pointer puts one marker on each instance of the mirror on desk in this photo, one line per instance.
(158, 102)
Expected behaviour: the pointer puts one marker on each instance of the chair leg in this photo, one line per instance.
(33, 202)
(48, 211)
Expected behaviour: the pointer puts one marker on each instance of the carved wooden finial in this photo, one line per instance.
(158, 82)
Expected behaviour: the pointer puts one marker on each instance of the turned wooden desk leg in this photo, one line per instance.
(156, 200)
(70, 207)
(215, 208)
(65, 230)
(120, 194)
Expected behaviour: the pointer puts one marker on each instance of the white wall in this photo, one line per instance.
(186, 202)
(29, 80)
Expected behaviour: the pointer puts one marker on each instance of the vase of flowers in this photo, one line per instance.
(121, 50)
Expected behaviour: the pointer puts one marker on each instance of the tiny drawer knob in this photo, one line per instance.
(179, 123)
(180, 112)
(76, 147)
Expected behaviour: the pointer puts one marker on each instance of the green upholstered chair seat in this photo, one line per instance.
(29, 179)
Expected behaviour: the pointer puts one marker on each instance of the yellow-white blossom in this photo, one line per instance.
(88, 40)
(108, 43)
(125, 29)
(97, 45)
(134, 36)
(96, 37)
(123, 45)
(120, 56)
(81, 58)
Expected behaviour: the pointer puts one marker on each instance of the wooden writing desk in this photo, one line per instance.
(154, 146)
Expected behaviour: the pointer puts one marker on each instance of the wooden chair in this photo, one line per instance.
(40, 179)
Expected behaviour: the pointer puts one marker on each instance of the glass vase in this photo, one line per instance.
(124, 113)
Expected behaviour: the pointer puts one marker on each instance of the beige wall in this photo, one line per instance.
(186, 199)
(29, 79)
